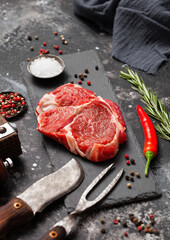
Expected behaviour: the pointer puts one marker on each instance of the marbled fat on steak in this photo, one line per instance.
(83, 122)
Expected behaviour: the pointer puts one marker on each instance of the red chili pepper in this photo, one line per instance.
(150, 146)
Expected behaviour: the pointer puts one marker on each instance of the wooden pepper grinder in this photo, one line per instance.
(10, 147)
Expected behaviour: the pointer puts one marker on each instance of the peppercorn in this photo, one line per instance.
(127, 177)
(103, 230)
(129, 185)
(143, 225)
(72, 82)
(102, 220)
(28, 59)
(44, 44)
(146, 230)
(126, 156)
(132, 172)
(86, 70)
(132, 161)
(148, 226)
(131, 179)
(140, 222)
(79, 82)
(36, 37)
(128, 162)
(152, 221)
(150, 230)
(96, 67)
(85, 75)
(55, 33)
(131, 216)
(124, 224)
(29, 37)
(135, 220)
(125, 234)
(151, 216)
(115, 221)
(155, 231)
(75, 75)
(65, 42)
(88, 83)
(80, 75)
(60, 52)
(118, 219)
(138, 175)
(139, 228)
(32, 48)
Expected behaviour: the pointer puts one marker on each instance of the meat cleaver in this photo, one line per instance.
(34, 199)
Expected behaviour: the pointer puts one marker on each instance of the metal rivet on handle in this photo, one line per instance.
(17, 205)
(53, 234)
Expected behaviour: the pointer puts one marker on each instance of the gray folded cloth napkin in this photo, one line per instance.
(140, 29)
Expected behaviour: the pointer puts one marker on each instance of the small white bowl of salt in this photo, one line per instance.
(46, 66)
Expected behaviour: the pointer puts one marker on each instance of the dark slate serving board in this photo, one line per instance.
(142, 188)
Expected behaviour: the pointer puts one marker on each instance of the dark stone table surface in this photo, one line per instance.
(21, 18)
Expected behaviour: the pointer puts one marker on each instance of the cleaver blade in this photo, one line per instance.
(22, 208)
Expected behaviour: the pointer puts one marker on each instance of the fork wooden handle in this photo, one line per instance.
(55, 233)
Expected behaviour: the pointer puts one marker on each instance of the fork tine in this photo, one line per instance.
(96, 180)
(84, 203)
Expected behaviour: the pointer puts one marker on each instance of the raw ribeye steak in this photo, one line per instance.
(83, 122)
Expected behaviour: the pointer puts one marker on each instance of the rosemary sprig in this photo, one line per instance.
(154, 108)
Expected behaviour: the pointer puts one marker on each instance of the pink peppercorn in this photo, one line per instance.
(115, 221)
(151, 216)
(60, 52)
(88, 83)
(126, 156)
(56, 47)
(55, 33)
(44, 43)
(128, 162)
(139, 228)
(125, 234)
(79, 82)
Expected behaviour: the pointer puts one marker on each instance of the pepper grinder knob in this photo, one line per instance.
(3, 170)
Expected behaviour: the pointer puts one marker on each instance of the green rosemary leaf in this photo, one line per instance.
(154, 108)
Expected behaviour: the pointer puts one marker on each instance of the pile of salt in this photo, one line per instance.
(45, 67)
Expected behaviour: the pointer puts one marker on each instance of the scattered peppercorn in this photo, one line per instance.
(139, 228)
(128, 162)
(124, 224)
(129, 185)
(135, 220)
(36, 37)
(118, 219)
(151, 216)
(152, 221)
(150, 230)
(96, 67)
(102, 220)
(72, 82)
(148, 226)
(79, 82)
(115, 221)
(28, 59)
(88, 83)
(32, 48)
(138, 175)
(131, 179)
(132, 161)
(126, 156)
(86, 70)
(65, 42)
(155, 231)
(127, 177)
(132, 172)
(103, 230)
(125, 234)
(85, 75)
(143, 226)
(29, 37)
(75, 75)
(56, 47)
(44, 44)
(146, 230)
(60, 52)
(131, 216)
(55, 33)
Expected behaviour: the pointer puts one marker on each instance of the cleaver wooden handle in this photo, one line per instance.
(13, 214)
(55, 233)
